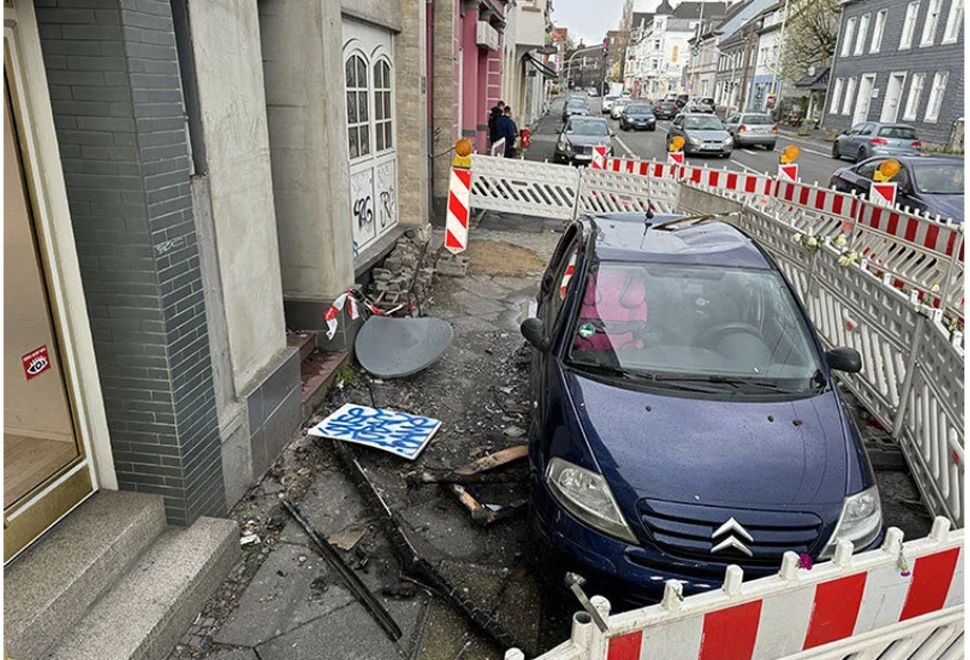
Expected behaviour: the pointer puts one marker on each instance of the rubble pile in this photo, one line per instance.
(394, 282)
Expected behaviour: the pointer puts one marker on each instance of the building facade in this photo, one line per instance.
(899, 61)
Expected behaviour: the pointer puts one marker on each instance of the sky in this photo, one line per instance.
(590, 19)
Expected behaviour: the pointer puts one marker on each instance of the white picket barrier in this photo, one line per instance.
(900, 601)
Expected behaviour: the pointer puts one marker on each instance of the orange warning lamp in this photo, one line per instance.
(789, 155)
(676, 143)
(463, 152)
(887, 170)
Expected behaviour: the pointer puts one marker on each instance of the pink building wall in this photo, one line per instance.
(481, 78)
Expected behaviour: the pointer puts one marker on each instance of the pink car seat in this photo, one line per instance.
(615, 304)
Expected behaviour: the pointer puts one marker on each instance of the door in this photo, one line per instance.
(371, 130)
(43, 456)
(864, 98)
(894, 92)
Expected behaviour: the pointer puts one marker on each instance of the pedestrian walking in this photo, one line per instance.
(508, 130)
(493, 116)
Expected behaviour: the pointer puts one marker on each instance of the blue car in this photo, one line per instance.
(686, 415)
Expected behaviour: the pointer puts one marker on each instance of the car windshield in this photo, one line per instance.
(900, 132)
(587, 126)
(576, 103)
(669, 323)
(939, 178)
(703, 123)
(756, 120)
(638, 109)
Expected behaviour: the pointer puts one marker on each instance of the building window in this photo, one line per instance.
(915, 92)
(848, 36)
(674, 53)
(935, 102)
(860, 40)
(836, 96)
(358, 128)
(383, 123)
(954, 21)
(909, 25)
(932, 21)
(877, 31)
(849, 95)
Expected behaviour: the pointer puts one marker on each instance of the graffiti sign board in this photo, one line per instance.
(398, 433)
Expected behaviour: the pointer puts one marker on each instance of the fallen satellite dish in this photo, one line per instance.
(390, 347)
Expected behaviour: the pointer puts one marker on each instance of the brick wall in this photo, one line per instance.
(117, 102)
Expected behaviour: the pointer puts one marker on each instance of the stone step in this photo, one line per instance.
(50, 586)
(317, 374)
(305, 342)
(145, 613)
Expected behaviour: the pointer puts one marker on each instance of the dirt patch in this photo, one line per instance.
(500, 258)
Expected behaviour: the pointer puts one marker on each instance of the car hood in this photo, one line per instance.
(948, 206)
(587, 140)
(702, 451)
(707, 134)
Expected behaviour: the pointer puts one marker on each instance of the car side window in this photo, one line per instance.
(561, 280)
(868, 170)
(854, 130)
(734, 119)
(866, 129)
(568, 237)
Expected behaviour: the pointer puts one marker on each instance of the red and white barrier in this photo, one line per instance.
(456, 223)
(599, 157)
(878, 597)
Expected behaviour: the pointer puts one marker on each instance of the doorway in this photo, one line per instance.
(864, 98)
(894, 92)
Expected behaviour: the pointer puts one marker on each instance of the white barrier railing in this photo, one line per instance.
(912, 380)
(903, 600)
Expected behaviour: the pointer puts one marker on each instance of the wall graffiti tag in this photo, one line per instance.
(398, 433)
(363, 212)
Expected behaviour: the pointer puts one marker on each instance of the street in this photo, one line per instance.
(815, 162)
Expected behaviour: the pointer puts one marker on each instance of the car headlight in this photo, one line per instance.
(563, 144)
(585, 494)
(728, 141)
(860, 521)
(695, 141)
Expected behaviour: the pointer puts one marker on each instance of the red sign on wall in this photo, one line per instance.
(36, 362)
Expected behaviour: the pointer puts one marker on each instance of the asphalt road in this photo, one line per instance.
(815, 162)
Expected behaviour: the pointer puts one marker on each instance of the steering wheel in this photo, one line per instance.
(733, 327)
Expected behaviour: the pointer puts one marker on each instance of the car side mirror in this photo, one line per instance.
(844, 359)
(612, 133)
(534, 331)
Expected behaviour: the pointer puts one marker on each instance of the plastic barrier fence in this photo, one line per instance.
(903, 600)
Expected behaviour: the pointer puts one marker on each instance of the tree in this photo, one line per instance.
(811, 32)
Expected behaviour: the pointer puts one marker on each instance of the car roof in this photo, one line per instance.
(627, 237)
(915, 160)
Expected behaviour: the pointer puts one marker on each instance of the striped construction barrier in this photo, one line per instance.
(904, 593)
(456, 223)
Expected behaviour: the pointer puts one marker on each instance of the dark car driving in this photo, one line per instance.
(927, 184)
(579, 136)
(574, 106)
(638, 116)
(666, 109)
(686, 414)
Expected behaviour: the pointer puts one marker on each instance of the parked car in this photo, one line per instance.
(752, 129)
(699, 105)
(931, 184)
(638, 115)
(574, 106)
(618, 106)
(666, 109)
(703, 134)
(876, 139)
(592, 91)
(607, 104)
(579, 136)
(687, 416)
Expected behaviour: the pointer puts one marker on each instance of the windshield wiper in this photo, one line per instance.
(720, 379)
(640, 377)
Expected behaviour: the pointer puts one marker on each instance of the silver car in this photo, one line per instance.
(703, 134)
(618, 106)
(752, 129)
(876, 139)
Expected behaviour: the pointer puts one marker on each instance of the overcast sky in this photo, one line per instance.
(590, 19)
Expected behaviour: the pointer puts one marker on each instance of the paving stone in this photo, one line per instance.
(281, 597)
(233, 654)
(330, 504)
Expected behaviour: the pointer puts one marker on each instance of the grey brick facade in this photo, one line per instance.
(928, 60)
(117, 103)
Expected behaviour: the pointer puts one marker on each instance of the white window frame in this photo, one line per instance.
(847, 37)
(899, 102)
(954, 22)
(931, 23)
(916, 84)
(909, 25)
(850, 90)
(837, 90)
(359, 126)
(863, 32)
(383, 91)
(937, 92)
(878, 31)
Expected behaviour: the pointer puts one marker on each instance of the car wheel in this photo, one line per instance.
(835, 150)
(770, 147)
(861, 155)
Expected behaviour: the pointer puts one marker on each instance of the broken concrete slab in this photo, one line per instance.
(286, 593)
(330, 504)
(233, 654)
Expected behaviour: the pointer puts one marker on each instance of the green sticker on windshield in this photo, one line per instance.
(587, 330)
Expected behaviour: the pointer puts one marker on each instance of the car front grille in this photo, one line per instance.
(687, 531)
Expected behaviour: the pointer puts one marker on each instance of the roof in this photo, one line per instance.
(628, 237)
(819, 80)
(639, 17)
(740, 14)
(693, 10)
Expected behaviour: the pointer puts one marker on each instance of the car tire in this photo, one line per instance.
(835, 151)
(861, 156)
(771, 147)
(653, 128)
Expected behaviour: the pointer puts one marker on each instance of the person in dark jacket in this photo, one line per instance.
(508, 130)
(493, 116)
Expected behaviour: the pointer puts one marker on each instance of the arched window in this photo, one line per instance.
(358, 126)
(383, 129)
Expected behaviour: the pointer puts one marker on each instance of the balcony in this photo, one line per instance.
(486, 35)
(530, 24)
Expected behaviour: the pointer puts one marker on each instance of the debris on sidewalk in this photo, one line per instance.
(390, 347)
(348, 537)
(484, 513)
(404, 278)
(473, 472)
(398, 433)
